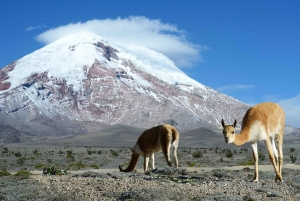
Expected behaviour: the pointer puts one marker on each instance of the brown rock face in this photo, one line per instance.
(4, 76)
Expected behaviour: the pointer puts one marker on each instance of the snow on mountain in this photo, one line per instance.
(83, 77)
(63, 60)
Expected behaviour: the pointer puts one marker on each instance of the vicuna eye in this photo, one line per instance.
(232, 132)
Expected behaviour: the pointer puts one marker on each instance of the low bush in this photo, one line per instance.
(40, 166)
(249, 162)
(53, 171)
(76, 166)
(21, 160)
(4, 173)
(261, 156)
(197, 154)
(95, 166)
(23, 174)
(114, 153)
(191, 164)
(228, 153)
(5, 150)
(293, 158)
(18, 154)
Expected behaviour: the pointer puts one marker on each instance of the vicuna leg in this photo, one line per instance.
(175, 154)
(166, 151)
(152, 161)
(146, 161)
(274, 150)
(280, 156)
(272, 159)
(255, 157)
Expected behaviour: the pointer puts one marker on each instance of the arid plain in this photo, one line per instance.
(208, 169)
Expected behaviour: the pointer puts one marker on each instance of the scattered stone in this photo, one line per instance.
(223, 197)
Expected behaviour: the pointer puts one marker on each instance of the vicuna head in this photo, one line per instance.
(229, 131)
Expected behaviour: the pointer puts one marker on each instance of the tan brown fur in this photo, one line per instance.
(264, 121)
(155, 139)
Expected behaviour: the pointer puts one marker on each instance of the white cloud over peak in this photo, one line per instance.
(292, 110)
(136, 30)
(30, 28)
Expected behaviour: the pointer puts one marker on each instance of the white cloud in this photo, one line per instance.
(292, 110)
(234, 87)
(30, 28)
(136, 30)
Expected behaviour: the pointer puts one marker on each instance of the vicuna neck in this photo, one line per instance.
(241, 138)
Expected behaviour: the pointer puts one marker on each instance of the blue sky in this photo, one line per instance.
(246, 49)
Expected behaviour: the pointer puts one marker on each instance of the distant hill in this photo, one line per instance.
(126, 136)
(9, 134)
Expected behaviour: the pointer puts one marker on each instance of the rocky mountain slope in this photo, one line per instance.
(82, 83)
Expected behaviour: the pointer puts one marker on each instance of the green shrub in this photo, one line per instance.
(95, 166)
(293, 158)
(191, 164)
(21, 160)
(89, 152)
(114, 153)
(53, 171)
(4, 173)
(70, 156)
(5, 150)
(24, 174)
(35, 152)
(69, 153)
(292, 150)
(29, 158)
(197, 154)
(40, 166)
(18, 154)
(261, 156)
(76, 166)
(249, 162)
(228, 153)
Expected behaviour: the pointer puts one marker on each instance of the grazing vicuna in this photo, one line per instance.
(264, 121)
(156, 139)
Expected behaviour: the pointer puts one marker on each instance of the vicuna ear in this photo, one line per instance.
(222, 122)
(234, 123)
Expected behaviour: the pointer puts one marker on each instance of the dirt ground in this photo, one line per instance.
(203, 174)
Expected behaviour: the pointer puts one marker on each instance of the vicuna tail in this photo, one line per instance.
(132, 164)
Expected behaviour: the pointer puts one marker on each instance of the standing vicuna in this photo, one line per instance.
(264, 121)
(156, 139)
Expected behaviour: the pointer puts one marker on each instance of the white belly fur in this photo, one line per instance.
(258, 132)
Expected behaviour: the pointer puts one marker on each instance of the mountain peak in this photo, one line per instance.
(83, 77)
(81, 37)
(68, 55)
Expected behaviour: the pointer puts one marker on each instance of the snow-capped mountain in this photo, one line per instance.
(84, 78)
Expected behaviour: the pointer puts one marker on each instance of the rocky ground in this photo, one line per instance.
(204, 174)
